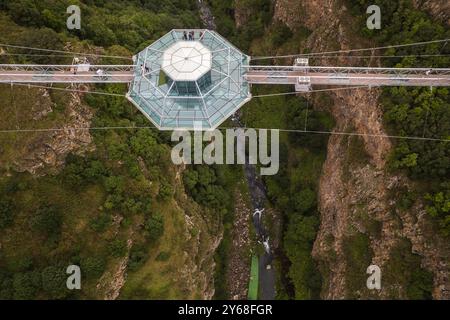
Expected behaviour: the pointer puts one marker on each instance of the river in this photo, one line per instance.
(257, 194)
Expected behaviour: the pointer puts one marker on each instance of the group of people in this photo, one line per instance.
(191, 35)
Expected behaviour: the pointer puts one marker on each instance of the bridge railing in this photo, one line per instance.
(38, 68)
(350, 70)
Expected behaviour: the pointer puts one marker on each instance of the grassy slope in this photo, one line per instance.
(25, 251)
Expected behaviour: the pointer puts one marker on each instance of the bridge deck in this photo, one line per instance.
(350, 79)
(310, 75)
(65, 77)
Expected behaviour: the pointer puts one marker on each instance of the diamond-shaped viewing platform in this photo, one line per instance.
(184, 84)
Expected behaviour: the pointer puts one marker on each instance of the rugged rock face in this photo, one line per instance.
(201, 245)
(49, 150)
(198, 233)
(206, 15)
(203, 234)
(241, 13)
(354, 191)
(439, 9)
(111, 282)
(327, 19)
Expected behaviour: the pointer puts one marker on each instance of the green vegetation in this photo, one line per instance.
(208, 186)
(416, 112)
(258, 16)
(6, 213)
(125, 189)
(293, 191)
(298, 242)
(86, 213)
(359, 257)
(257, 33)
(130, 24)
(439, 207)
(405, 274)
(154, 226)
(213, 187)
(254, 279)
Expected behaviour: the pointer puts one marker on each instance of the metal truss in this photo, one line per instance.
(351, 70)
(16, 73)
(62, 68)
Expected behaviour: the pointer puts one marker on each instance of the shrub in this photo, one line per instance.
(154, 226)
(47, 220)
(54, 282)
(93, 267)
(138, 256)
(118, 248)
(163, 256)
(6, 213)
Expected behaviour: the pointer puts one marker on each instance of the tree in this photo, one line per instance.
(118, 248)
(279, 34)
(26, 285)
(165, 190)
(93, 267)
(6, 286)
(305, 200)
(6, 213)
(100, 33)
(100, 223)
(298, 241)
(155, 226)
(403, 271)
(54, 282)
(44, 38)
(25, 12)
(145, 145)
(47, 220)
(190, 179)
(138, 256)
(439, 207)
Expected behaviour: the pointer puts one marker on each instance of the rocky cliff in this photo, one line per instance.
(49, 149)
(357, 194)
(57, 127)
(203, 232)
(439, 9)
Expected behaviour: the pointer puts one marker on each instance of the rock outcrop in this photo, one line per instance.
(348, 186)
(438, 9)
(203, 232)
(50, 148)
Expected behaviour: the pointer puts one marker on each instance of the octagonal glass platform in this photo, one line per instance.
(185, 84)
